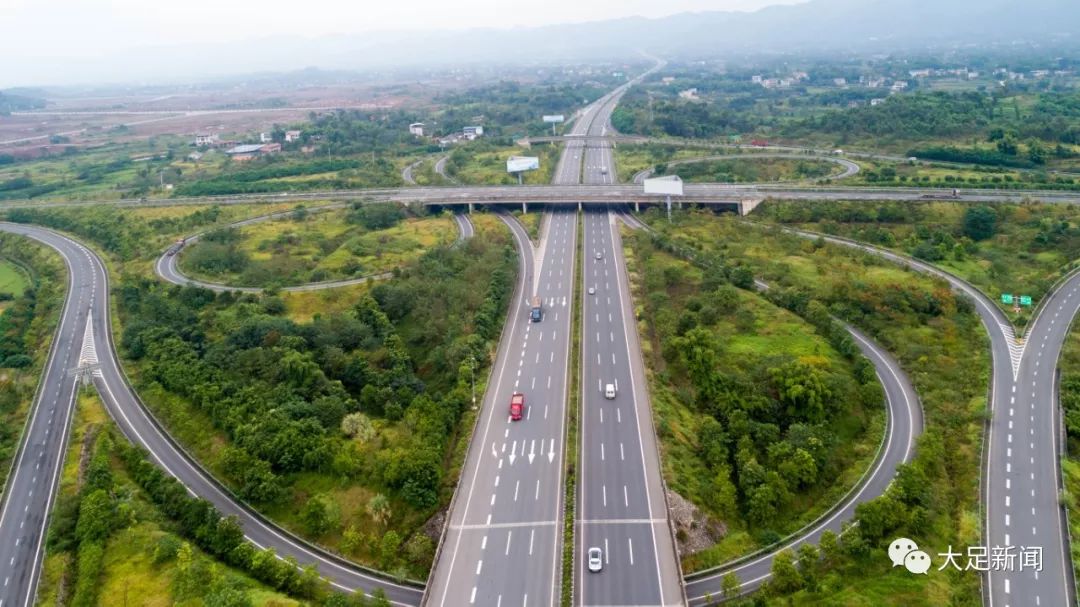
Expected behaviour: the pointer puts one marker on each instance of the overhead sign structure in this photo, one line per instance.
(670, 185)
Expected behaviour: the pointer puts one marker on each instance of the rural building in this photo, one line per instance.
(202, 140)
(250, 151)
(417, 129)
(266, 137)
(291, 136)
(472, 132)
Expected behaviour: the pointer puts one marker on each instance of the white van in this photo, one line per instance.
(609, 391)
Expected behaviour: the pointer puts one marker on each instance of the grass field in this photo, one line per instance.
(320, 247)
(746, 168)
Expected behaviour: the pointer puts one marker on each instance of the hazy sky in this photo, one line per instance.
(50, 41)
(60, 28)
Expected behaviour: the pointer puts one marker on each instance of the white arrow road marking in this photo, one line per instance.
(532, 451)
(551, 454)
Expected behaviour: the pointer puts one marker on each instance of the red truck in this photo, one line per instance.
(759, 143)
(517, 406)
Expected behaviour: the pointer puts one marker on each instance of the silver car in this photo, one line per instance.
(596, 559)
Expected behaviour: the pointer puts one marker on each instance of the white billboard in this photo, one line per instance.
(670, 185)
(554, 118)
(518, 164)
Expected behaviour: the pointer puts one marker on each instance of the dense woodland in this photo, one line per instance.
(770, 428)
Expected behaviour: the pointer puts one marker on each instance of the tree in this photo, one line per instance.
(378, 508)
(730, 585)
(357, 426)
(96, 517)
(320, 514)
(980, 222)
(785, 577)
(388, 548)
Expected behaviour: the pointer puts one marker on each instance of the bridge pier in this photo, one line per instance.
(637, 207)
(470, 208)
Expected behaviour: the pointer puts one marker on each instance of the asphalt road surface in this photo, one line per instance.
(32, 484)
(504, 535)
(621, 505)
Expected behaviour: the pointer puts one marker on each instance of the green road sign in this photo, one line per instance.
(1006, 298)
(1025, 300)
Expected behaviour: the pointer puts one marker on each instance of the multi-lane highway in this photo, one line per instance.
(621, 505)
(32, 484)
(503, 538)
(1022, 474)
(33, 479)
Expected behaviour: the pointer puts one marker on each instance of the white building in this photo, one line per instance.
(291, 136)
(690, 94)
(472, 132)
(265, 137)
(839, 81)
(207, 139)
(417, 129)
(876, 101)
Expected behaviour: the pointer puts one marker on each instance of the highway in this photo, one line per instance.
(622, 507)
(503, 538)
(1022, 475)
(32, 484)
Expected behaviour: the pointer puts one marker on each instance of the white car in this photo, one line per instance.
(596, 559)
(599, 255)
(592, 290)
(609, 391)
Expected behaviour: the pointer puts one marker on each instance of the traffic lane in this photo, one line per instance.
(515, 568)
(612, 489)
(904, 426)
(484, 466)
(1031, 502)
(629, 573)
(35, 473)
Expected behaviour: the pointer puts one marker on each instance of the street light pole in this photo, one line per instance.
(472, 369)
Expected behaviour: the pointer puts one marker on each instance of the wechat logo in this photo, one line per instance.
(906, 552)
